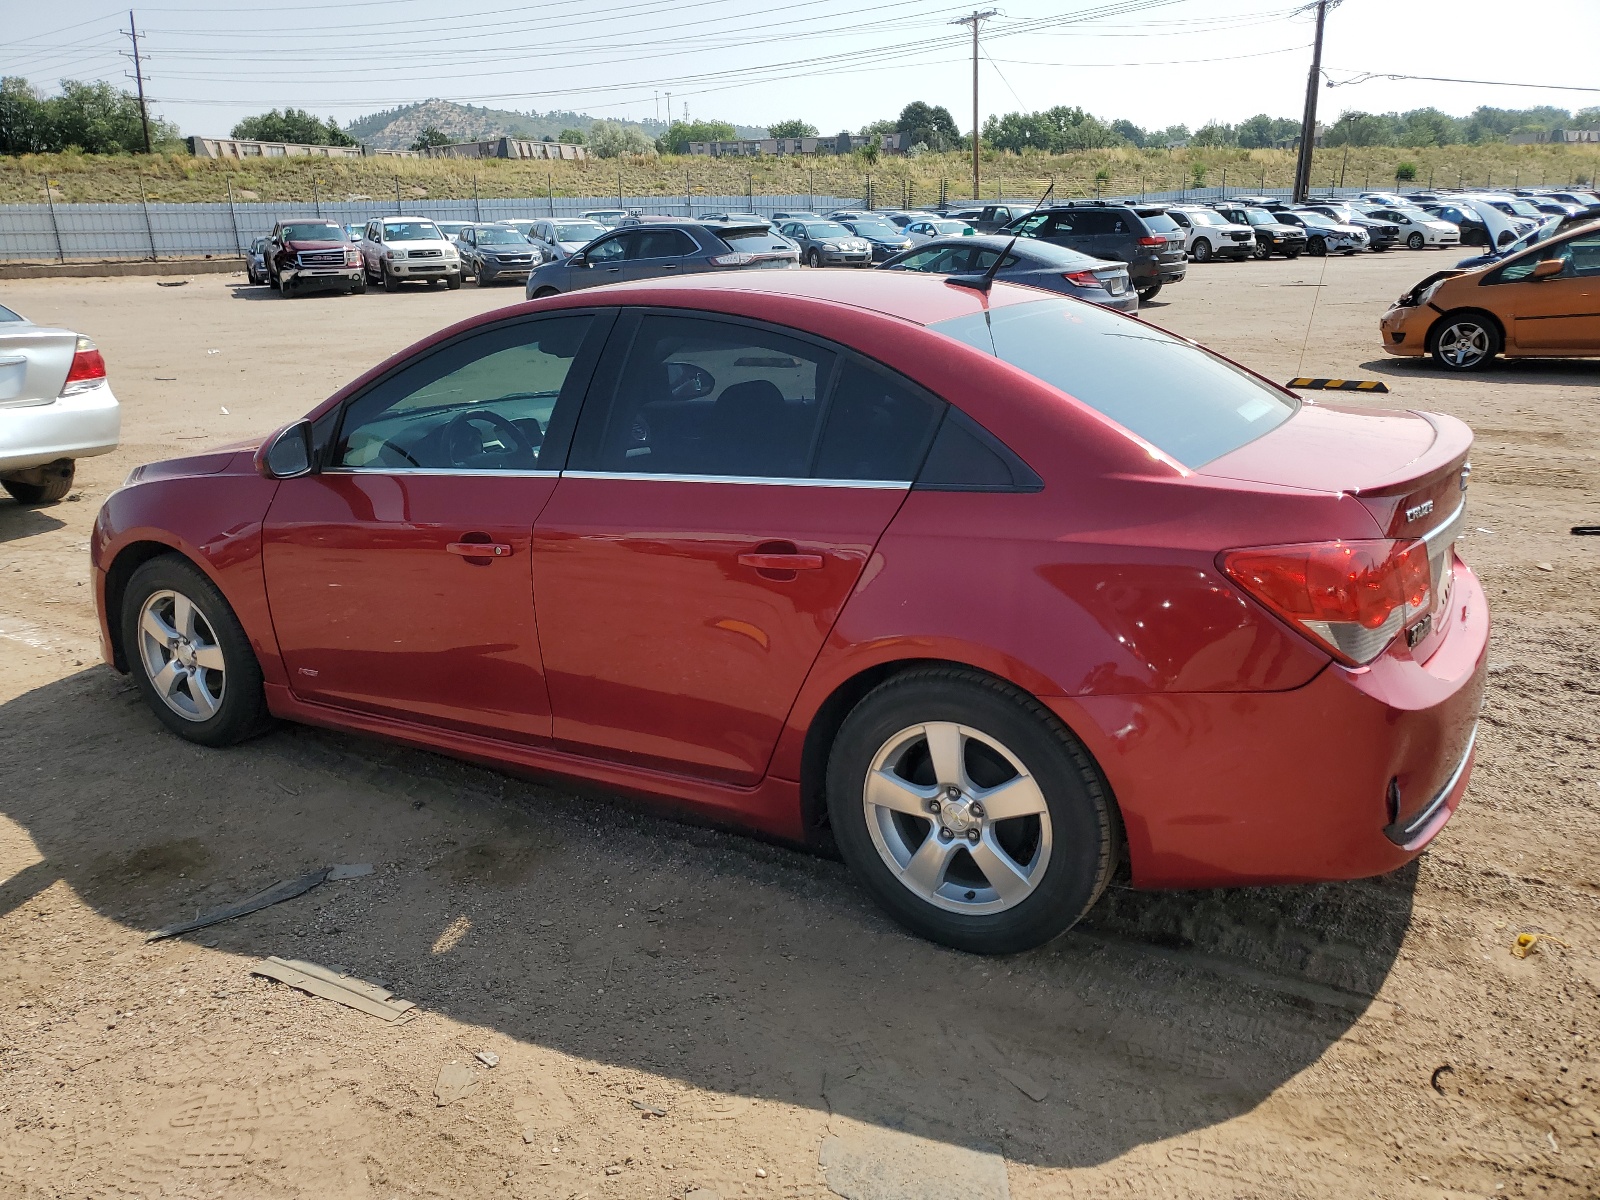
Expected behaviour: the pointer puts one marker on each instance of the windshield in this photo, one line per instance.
(7, 315)
(1256, 217)
(1415, 214)
(1206, 217)
(411, 231)
(1317, 219)
(1523, 209)
(951, 227)
(314, 231)
(499, 237)
(579, 231)
(876, 228)
(1180, 398)
(827, 229)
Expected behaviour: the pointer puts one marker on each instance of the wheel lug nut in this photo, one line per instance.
(972, 835)
(977, 811)
(945, 834)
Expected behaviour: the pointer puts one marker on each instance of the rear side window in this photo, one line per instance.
(877, 427)
(1186, 402)
(662, 243)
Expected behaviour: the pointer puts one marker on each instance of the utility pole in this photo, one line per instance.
(976, 19)
(1308, 123)
(138, 74)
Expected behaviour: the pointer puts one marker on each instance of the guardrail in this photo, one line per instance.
(98, 232)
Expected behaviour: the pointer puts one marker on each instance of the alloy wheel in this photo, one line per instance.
(1415, 241)
(181, 656)
(957, 818)
(1464, 344)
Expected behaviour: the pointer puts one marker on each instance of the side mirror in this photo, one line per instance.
(287, 453)
(578, 260)
(1549, 268)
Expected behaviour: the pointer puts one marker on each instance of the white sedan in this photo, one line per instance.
(1417, 228)
(55, 408)
(935, 227)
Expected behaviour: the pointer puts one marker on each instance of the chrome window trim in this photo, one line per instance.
(766, 480)
(438, 471)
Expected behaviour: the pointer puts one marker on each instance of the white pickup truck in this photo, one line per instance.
(397, 250)
(55, 408)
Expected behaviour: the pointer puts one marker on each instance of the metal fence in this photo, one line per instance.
(67, 232)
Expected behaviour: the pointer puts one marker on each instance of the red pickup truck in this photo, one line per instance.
(312, 255)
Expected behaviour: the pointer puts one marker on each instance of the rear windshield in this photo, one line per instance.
(7, 315)
(748, 241)
(1161, 223)
(1179, 398)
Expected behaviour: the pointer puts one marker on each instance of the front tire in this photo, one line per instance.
(813, 258)
(1201, 250)
(454, 283)
(57, 483)
(390, 283)
(969, 812)
(189, 656)
(1317, 247)
(285, 288)
(1415, 241)
(1464, 341)
(1261, 253)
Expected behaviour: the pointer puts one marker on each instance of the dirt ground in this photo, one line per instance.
(1372, 1039)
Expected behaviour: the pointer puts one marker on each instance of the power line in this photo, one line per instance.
(1370, 75)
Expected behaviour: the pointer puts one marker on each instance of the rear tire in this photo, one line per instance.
(1293, 254)
(1148, 294)
(189, 656)
(57, 483)
(545, 291)
(1201, 250)
(934, 851)
(1415, 241)
(1464, 341)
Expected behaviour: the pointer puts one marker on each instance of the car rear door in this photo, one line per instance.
(727, 484)
(399, 574)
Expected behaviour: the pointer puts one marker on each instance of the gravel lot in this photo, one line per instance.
(1368, 1039)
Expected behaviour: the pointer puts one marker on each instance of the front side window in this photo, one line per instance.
(484, 403)
(610, 250)
(1183, 400)
(1580, 257)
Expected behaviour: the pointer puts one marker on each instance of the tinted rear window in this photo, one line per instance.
(1161, 223)
(753, 241)
(1181, 399)
(7, 315)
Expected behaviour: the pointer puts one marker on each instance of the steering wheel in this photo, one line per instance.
(400, 450)
(461, 441)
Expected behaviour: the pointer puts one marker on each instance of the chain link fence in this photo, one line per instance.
(52, 232)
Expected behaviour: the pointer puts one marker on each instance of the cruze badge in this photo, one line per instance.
(1419, 510)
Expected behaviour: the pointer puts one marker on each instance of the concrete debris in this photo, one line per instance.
(330, 985)
(488, 1058)
(456, 1081)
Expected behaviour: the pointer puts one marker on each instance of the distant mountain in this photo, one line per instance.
(397, 128)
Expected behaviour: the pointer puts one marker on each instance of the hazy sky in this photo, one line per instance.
(835, 63)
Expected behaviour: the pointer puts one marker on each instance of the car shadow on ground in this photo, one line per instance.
(1549, 372)
(22, 520)
(590, 926)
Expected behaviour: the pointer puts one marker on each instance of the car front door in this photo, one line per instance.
(601, 262)
(1561, 312)
(399, 575)
(727, 485)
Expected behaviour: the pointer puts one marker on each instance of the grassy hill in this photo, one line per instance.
(167, 178)
(398, 128)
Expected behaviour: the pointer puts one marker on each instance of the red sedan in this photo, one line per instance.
(998, 590)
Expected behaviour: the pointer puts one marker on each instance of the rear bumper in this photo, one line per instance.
(78, 426)
(1220, 789)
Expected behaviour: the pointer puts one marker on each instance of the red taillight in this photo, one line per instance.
(1152, 241)
(88, 369)
(1084, 279)
(1351, 597)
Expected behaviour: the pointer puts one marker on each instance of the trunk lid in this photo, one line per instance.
(34, 361)
(1408, 469)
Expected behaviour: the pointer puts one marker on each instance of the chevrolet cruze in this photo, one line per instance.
(995, 591)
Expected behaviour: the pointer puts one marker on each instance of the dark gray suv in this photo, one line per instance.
(1141, 235)
(664, 249)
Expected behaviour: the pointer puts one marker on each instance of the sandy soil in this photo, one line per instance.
(1369, 1039)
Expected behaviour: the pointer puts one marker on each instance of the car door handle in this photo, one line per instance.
(781, 562)
(479, 549)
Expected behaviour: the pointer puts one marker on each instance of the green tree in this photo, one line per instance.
(877, 129)
(928, 124)
(1429, 127)
(24, 119)
(1405, 172)
(1051, 131)
(572, 137)
(680, 133)
(1214, 133)
(1161, 138)
(610, 139)
(101, 119)
(1361, 129)
(792, 129)
(1129, 132)
(292, 125)
(431, 137)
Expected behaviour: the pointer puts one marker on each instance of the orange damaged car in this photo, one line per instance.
(1542, 302)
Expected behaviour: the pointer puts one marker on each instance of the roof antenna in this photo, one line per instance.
(1047, 193)
(983, 282)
